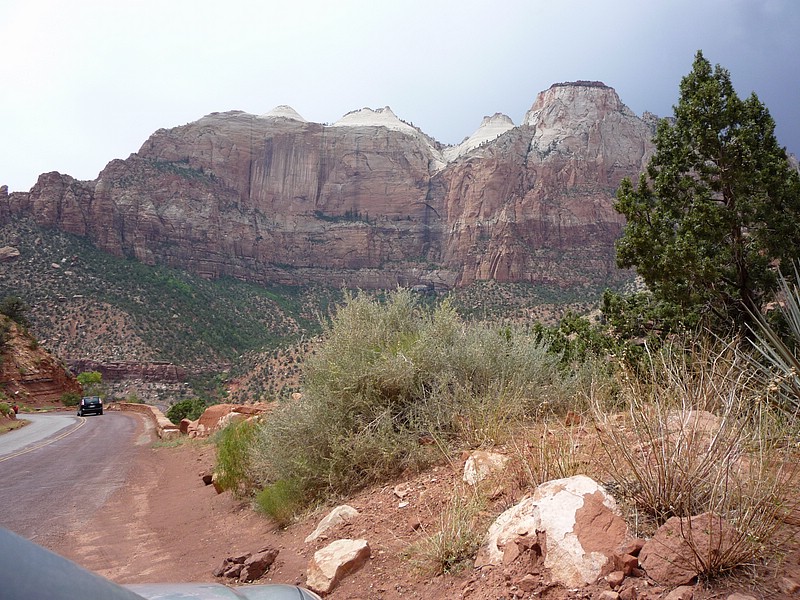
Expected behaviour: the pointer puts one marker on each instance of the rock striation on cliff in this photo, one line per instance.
(28, 373)
(369, 201)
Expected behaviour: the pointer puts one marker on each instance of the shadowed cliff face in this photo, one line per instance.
(277, 199)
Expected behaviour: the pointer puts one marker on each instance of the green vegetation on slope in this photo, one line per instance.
(121, 309)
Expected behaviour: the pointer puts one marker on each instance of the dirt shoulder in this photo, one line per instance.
(165, 525)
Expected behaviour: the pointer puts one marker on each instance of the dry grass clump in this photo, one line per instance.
(696, 439)
(453, 543)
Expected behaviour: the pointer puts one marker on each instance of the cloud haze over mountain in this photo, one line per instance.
(88, 81)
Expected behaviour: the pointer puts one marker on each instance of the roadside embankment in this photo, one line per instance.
(165, 429)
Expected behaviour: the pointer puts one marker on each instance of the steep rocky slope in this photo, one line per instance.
(28, 373)
(368, 201)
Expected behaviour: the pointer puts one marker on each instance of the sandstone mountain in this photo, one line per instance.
(368, 201)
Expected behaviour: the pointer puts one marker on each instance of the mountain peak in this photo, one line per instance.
(490, 128)
(576, 101)
(380, 117)
(577, 116)
(283, 111)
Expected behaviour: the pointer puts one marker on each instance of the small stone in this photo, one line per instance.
(608, 595)
(528, 583)
(628, 563)
(788, 586)
(683, 592)
(220, 570)
(233, 571)
(615, 578)
(339, 515)
(401, 490)
(628, 593)
(633, 547)
(337, 560)
(258, 564)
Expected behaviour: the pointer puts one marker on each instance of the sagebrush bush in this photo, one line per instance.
(391, 375)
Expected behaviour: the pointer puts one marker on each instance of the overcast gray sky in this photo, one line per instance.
(87, 81)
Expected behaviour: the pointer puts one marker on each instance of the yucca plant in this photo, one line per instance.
(776, 360)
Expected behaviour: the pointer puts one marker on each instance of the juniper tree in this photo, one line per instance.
(717, 209)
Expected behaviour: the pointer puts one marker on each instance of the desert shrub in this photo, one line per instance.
(696, 439)
(389, 375)
(189, 408)
(281, 500)
(16, 309)
(5, 409)
(70, 398)
(545, 452)
(233, 457)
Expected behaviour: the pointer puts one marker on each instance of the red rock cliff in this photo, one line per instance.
(369, 201)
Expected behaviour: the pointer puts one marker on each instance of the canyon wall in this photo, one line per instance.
(368, 201)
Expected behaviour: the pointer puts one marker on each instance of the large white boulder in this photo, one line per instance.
(481, 464)
(574, 523)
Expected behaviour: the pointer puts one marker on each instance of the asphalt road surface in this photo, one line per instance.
(59, 470)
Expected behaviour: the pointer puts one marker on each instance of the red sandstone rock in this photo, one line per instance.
(287, 201)
(29, 373)
(671, 556)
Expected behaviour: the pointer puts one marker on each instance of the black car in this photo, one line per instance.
(90, 405)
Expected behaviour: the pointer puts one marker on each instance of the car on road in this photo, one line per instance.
(90, 405)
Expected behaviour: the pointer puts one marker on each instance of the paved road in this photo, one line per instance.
(58, 470)
(42, 430)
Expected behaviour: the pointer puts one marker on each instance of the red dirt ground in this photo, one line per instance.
(165, 525)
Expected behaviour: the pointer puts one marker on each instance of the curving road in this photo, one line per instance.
(60, 469)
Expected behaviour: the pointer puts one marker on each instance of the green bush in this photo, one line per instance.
(5, 409)
(15, 308)
(92, 383)
(190, 408)
(70, 398)
(389, 375)
(281, 500)
(233, 457)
